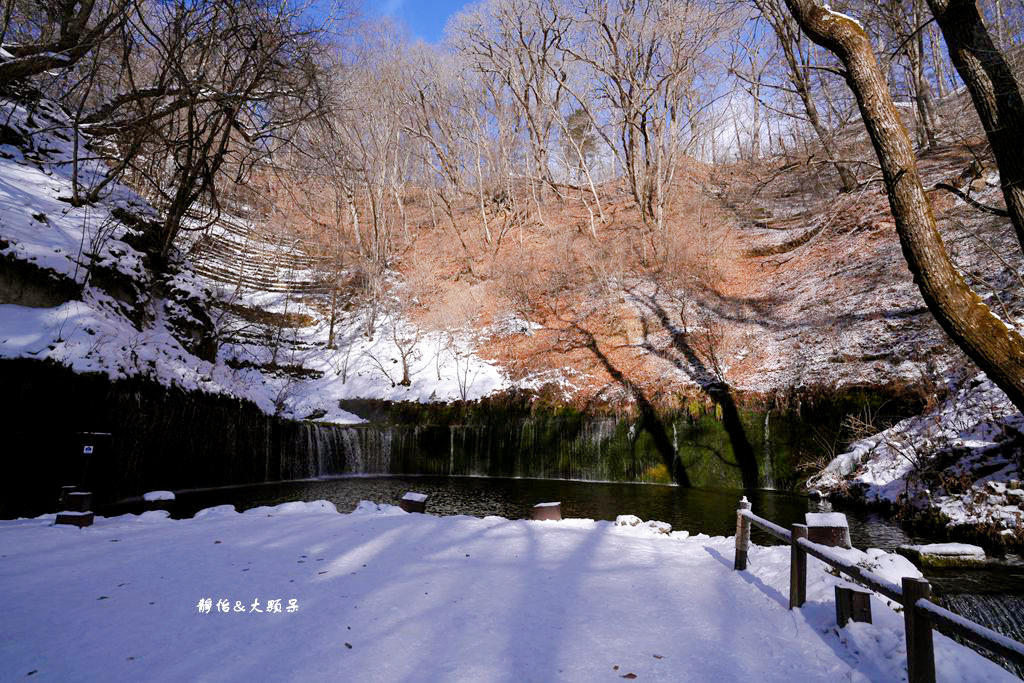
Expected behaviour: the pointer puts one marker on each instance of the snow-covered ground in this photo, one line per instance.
(954, 459)
(382, 595)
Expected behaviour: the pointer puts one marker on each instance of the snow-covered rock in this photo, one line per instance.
(944, 554)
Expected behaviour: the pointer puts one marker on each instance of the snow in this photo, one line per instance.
(972, 424)
(840, 15)
(826, 519)
(158, 495)
(415, 497)
(95, 332)
(384, 596)
(949, 549)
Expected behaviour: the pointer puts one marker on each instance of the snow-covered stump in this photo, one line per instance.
(920, 651)
(828, 528)
(76, 509)
(547, 511)
(797, 567)
(742, 535)
(414, 502)
(158, 500)
(852, 604)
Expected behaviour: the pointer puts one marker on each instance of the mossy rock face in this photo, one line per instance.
(944, 555)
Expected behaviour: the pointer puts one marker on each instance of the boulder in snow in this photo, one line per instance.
(944, 555)
(659, 527)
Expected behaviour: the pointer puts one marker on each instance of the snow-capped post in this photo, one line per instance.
(742, 535)
(920, 655)
(797, 567)
(413, 502)
(158, 500)
(828, 528)
(76, 509)
(551, 511)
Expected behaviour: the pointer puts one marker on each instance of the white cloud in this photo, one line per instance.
(390, 8)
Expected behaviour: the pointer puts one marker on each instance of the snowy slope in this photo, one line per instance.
(973, 439)
(67, 248)
(75, 291)
(382, 595)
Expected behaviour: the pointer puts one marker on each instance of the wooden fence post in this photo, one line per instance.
(852, 604)
(742, 535)
(920, 655)
(797, 567)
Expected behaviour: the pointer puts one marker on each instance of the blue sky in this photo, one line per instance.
(424, 18)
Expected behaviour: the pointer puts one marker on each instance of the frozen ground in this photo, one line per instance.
(382, 595)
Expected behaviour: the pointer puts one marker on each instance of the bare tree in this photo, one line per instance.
(515, 41)
(55, 34)
(799, 66)
(642, 62)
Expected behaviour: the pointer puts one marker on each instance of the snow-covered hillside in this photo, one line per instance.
(77, 287)
(961, 459)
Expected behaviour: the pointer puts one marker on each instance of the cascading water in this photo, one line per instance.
(768, 471)
(498, 441)
(1002, 613)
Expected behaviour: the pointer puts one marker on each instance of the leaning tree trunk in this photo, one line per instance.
(997, 350)
(996, 94)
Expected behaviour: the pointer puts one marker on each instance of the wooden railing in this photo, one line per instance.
(920, 614)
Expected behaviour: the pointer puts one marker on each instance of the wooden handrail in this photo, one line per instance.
(772, 528)
(860, 575)
(952, 624)
(921, 615)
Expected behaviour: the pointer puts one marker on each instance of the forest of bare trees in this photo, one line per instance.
(574, 119)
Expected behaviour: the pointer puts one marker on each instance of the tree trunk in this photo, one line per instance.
(996, 95)
(938, 65)
(997, 350)
(922, 95)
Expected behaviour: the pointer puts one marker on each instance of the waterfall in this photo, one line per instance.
(1002, 613)
(354, 463)
(768, 474)
(545, 445)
